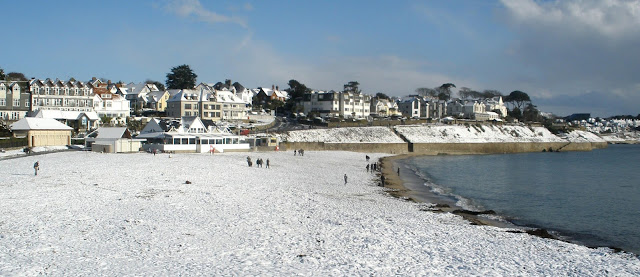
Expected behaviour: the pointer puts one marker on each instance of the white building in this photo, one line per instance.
(189, 134)
(61, 95)
(331, 103)
(496, 105)
(111, 105)
(384, 108)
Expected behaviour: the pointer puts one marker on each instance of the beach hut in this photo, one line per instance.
(42, 131)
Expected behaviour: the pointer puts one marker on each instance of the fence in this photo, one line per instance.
(12, 142)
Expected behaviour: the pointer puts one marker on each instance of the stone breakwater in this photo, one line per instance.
(439, 140)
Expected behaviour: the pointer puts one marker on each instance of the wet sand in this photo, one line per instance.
(409, 187)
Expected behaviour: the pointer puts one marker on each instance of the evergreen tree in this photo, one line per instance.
(181, 77)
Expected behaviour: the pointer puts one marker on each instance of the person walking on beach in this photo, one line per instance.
(382, 180)
(249, 161)
(267, 163)
(295, 152)
(367, 167)
(398, 171)
(367, 157)
(36, 167)
(345, 179)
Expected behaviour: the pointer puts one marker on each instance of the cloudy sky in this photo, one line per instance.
(569, 56)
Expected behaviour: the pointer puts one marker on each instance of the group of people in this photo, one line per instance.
(259, 162)
(298, 151)
(373, 167)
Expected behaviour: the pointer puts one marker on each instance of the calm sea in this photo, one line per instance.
(592, 198)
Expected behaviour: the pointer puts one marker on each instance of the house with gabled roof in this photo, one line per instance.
(111, 105)
(112, 140)
(266, 95)
(135, 93)
(194, 102)
(156, 100)
(15, 100)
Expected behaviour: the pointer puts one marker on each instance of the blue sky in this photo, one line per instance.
(569, 56)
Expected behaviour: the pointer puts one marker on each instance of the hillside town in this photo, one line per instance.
(214, 117)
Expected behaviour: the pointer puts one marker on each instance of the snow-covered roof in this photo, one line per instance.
(32, 123)
(66, 115)
(108, 133)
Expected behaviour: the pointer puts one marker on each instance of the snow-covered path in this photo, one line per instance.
(134, 214)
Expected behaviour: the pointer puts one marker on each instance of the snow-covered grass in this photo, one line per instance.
(583, 136)
(38, 149)
(475, 134)
(344, 135)
(135, 214)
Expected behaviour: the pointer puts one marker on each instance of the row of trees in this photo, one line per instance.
(521, 107)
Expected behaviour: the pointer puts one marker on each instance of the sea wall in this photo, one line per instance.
(445, 148)
(502, 147)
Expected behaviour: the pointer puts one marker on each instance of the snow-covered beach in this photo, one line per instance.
(136, 214)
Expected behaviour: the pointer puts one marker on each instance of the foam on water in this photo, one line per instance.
(586, 197)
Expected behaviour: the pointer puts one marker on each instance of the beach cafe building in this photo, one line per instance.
(190, 135)
(198, 143)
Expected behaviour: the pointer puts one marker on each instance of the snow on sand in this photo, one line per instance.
(134, 214)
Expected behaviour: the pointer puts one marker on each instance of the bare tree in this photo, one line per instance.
(427, 92)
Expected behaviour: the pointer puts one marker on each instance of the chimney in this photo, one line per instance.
(94, 78)
(277, 88)
(273, 87)
(109, 82)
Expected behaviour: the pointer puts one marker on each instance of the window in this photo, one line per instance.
(26, 103)
(3, 88)
(16, 102)
(187, 106)
(3, 102)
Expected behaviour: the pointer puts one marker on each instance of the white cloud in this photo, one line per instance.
(575, 47)
(193, 8)
(609, 18)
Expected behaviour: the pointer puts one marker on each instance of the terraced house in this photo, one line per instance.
(15, 100)
(61, 95)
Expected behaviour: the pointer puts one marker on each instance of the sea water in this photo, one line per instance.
(592, 198)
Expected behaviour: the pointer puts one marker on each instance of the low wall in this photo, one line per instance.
(391, 148)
